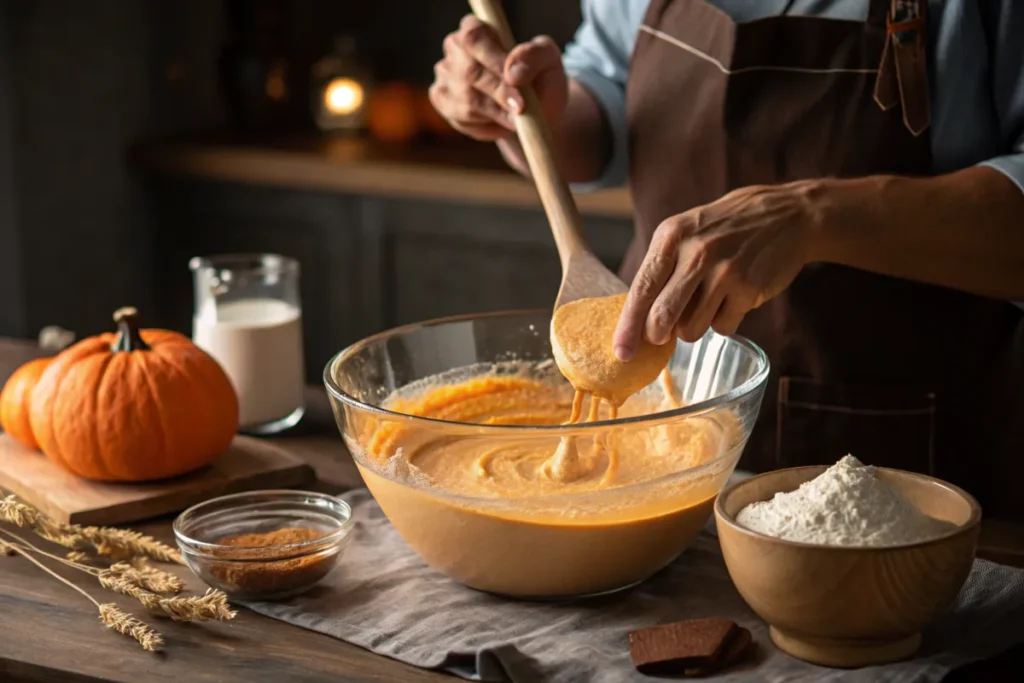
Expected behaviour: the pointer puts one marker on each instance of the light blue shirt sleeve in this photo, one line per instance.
(1005, 27)
(1004, 21)
(598, 59)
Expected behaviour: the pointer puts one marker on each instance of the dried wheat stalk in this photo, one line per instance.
(150, 578)
(134, 578)
(144, 585)
(116, 544)
(122, 544)
(213, 606)
(122, 622)
(110, 614)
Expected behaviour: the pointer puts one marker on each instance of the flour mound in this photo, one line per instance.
(847, 505)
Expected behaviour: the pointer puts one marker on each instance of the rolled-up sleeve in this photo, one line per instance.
(1005, 29)
(598, 59)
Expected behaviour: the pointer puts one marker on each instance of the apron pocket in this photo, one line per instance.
(889, 426)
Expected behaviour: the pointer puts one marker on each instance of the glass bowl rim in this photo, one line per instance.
(341, 511)
(747, 387)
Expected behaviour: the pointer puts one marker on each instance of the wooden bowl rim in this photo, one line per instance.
(972, 523)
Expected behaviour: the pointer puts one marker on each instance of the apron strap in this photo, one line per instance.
(903, 70)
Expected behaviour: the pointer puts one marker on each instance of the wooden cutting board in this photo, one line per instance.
(249, 464)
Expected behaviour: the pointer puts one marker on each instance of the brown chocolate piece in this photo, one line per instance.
(732, 652)
(674, 648)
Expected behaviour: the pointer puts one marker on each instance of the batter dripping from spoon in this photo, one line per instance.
(581, 341)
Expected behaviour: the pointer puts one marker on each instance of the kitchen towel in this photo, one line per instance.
(384, 598)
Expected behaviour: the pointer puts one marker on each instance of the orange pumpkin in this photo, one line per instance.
(392, 113)
(16, 398)
(430, 119)
(137, 405)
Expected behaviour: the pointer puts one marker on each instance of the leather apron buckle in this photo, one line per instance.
(903, 70)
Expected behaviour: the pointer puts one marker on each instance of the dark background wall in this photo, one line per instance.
(406, 49)
(81, 81)
(12, 304)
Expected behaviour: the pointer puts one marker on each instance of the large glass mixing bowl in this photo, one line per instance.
(542, 541)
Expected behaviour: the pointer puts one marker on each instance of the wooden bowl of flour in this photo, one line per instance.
(849, 606)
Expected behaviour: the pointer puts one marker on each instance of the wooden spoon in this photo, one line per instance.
(580, 334)
(583, 275)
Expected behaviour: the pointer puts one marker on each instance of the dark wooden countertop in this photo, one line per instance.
(50, 634)
(454, 170)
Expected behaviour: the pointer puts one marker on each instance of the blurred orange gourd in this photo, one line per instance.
(16, 400)
(392, 113)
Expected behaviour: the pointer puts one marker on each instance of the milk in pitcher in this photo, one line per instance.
(258, 342)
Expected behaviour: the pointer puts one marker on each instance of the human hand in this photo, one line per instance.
(711, 265)
(476, 84)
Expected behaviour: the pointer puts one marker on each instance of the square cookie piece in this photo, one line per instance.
(673, 648)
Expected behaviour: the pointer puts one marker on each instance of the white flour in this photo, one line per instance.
(846, 505)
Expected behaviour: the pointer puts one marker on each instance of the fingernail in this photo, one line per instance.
(517, 71)
(623, 353)
(513, 105)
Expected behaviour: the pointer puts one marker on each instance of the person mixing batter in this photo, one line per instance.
(842, 181)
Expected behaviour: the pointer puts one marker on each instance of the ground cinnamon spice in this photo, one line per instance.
(285, 536)
(271, 577)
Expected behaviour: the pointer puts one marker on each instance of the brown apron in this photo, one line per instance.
(895, 372)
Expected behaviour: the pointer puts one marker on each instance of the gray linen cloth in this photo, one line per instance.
(384, 598)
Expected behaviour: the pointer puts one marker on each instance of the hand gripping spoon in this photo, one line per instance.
(591, 296)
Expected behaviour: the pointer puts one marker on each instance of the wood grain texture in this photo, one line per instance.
(455, 172)
(583, 274)
(52, 635)
(848, 607)
(248, 464)
(535, 137)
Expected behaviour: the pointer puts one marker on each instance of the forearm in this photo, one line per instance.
(963, 230)
(581, 138)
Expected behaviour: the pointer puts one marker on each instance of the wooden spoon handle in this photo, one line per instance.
(535, 137)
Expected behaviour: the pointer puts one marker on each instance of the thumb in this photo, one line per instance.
(529, 60)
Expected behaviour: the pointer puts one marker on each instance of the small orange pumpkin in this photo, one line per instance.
(430, 119)
(16, 398)
(133, 406)
(392, 113)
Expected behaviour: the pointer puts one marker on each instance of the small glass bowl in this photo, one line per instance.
(263, 572)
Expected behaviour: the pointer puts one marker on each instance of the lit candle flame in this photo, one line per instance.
(343, 96)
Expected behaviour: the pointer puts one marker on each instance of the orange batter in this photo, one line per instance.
(498, 513)
(525, 513)
(525, 467)
(581, 341)
(581, 338)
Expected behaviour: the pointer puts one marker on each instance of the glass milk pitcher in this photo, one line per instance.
(248, 317)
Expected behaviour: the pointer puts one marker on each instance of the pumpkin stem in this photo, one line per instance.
(128, 338)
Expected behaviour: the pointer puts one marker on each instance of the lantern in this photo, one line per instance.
(340, 89)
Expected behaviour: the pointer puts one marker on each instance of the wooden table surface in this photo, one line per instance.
(49, 633)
